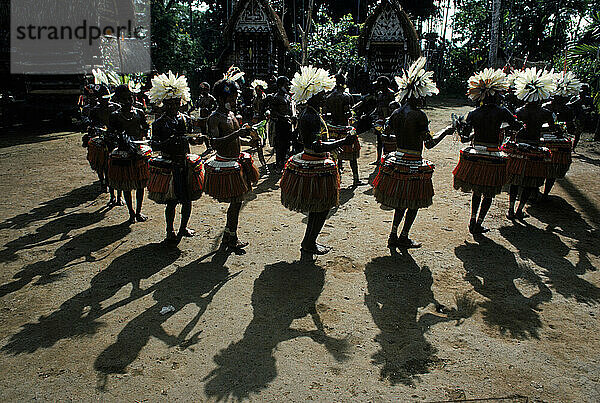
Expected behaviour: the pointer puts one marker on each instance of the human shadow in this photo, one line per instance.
(269, 184)
(563, 219)
(80, 246)
(196, 283)
(493, 270)
(547, 250)
(73, 318)
(396, 288)
(30, 134)
(62, 226)
(54, 207)
(283, 292)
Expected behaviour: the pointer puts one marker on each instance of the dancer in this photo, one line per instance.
(339, 104)
(230, 173)
(558, 142)
(385, 95)
(527, 163)
(98, 145)
(481, 168)
(311, 180)
(177, 176)
(128, 163)
(280, 106)
(404, 179)
(259, 119)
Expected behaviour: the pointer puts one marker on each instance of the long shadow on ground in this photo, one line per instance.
(283, 292)
(72, 319)
(492, 271)
(396, 288)
(196, 283)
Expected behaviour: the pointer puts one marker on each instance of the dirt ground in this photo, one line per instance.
(81, 293)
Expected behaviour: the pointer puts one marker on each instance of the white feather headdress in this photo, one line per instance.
(534, 85)
(259, 83)
(488, 82)
(567, 84)
(310, 81)
(168, 86)
(233, 74)
(416, 82)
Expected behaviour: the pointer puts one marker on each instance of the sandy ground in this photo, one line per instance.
(81, 293)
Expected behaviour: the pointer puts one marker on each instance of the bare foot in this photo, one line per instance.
(139, 217)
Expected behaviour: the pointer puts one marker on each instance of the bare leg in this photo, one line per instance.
(379, 148)
(170, 219)
(186, 212)
(393, 239)
(525, 193)
(485, 207)
(403, 239)
(230, 238)
(354, 166)
(139, 200)
(475, 202)
(316, 220)
(129, 202)
(512, 198)
(548, 187)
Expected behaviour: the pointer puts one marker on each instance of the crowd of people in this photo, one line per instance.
(521, 134)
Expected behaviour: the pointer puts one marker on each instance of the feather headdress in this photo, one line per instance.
(168, 86)
(259, 83)
(534, 85)
(488, 82)
(309, 82)
(233, 74)
(567, 84)
(416, 82)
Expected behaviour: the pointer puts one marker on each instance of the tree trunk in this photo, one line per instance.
(495, 33)
(306, 32)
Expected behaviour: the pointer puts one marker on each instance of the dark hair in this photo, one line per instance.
(340, 79)
(223, 88)
(122, 92)
(205, 86)
(384, 80)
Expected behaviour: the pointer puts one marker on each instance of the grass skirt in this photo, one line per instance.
(348, 152)
(176, 181)
(527, 164)
(310, 183)
(97, 154)
(404, 181)
(560, 150)
(128, 171)
(481, 170)
(229, 180)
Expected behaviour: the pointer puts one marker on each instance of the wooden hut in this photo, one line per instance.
(256, 40)
(388, 40)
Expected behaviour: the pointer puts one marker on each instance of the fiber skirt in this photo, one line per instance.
(347, 152)
(310, 183)
(176, 181)
(97, 154)
(128, 171)
(229, 180)
(527, 164)
(404, 181)
(481, 170)
(560, 160)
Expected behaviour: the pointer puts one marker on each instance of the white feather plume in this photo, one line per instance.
(259, 83)
(488, 82)
(567, 85)
(534, 85)
(309, 82)
(416, 82)
(168, 86)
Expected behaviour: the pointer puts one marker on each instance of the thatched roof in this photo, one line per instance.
(271, 14)
(413, 47)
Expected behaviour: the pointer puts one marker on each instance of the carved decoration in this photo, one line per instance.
(253, 19)
(388, 27)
